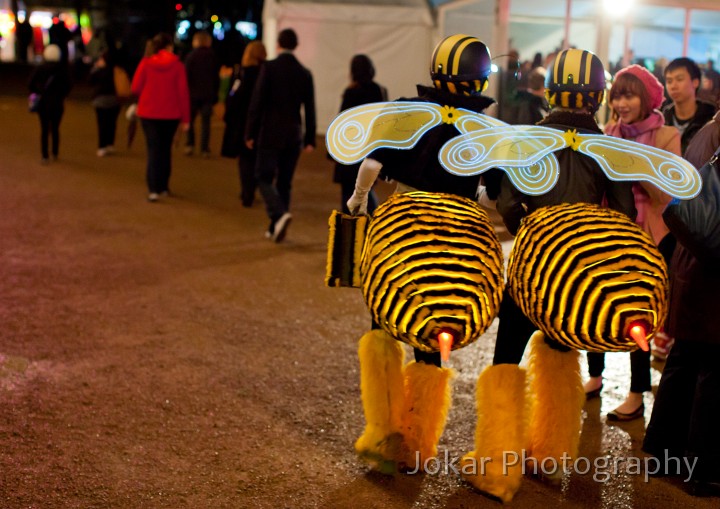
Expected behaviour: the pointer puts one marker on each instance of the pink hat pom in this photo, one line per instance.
(651, 83)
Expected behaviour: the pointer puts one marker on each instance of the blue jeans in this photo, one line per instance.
(159, 137)
(274, 171)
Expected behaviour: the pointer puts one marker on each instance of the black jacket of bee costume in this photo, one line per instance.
(419, 167)
(581, 179)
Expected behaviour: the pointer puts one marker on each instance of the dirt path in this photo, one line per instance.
(167, 356)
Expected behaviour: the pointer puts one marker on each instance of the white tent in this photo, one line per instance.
(398, 38)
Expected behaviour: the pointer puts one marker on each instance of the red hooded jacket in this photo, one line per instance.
(160, 83)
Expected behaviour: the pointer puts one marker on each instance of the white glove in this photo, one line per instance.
(367, 174)
(484, 200)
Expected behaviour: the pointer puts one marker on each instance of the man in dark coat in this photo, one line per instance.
(203, 74)
(686, 112)
(274, 126)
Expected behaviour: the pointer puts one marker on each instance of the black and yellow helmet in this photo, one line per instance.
(460, 64)
(576, 79)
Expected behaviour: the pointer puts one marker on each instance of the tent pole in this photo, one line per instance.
(568, 14)
(686, 32)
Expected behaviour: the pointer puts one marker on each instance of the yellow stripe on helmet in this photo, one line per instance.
(442, 53)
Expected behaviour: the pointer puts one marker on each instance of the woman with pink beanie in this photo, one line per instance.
(635, 98)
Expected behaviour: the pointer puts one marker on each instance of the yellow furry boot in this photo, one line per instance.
(383, 395)
(427, 401)
(495, 466)
(556, 415)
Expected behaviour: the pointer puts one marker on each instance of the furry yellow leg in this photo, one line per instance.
(556, 415)
(383, 396)
(495, 466)
(427, 401)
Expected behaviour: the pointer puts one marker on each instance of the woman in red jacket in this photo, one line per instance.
(161, 86)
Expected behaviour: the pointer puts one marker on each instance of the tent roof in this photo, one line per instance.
(389, 3)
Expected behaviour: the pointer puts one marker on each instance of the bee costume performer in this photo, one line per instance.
(579, 277)
(430, 265)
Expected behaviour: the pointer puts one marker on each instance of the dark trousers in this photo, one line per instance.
(159, 138)
(514, 331)
(686, 412)
(639, 368)
(205, 109)
(248, 182)
(274, 171)
(107, 125)
(50, 126)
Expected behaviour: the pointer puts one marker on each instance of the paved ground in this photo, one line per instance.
(167, 355)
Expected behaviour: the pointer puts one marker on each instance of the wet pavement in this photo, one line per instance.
(168, 355)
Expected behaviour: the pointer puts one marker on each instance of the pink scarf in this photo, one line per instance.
(642, 132)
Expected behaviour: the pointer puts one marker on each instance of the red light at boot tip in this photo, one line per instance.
(638, 332)
(445, 341)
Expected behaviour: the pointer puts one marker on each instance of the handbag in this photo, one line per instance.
(34, 102)
(696, 222)
(35, 98)
(345, 243)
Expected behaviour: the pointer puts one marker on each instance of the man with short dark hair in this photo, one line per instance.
(274, 127)
(687, 113)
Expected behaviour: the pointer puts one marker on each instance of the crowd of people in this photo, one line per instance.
(268, 124)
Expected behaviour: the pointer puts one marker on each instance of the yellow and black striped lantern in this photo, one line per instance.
(432, 264)
(587, 277)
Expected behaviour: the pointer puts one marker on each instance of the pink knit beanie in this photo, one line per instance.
(655, 90)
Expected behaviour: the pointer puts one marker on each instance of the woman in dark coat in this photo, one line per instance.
(685, 416)
(106, 103)
(52, 81)
(362, 90)
(236, 109)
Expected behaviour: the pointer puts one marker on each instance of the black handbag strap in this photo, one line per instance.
(47, 83)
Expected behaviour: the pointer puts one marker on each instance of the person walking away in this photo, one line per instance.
(203, 75)
(532, 106)
(59, 35)
(106, 103)
(52, 81)
(274, 126)
(236, 111)
(160, 83)
(686, 112)
(362, 90)
(635, 97)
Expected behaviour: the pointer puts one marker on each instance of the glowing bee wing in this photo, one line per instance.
(627, 160)
(356, 132)
(469, 121)
(525, 153)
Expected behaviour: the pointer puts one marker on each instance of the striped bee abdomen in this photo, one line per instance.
(585, 275)
(432, 263)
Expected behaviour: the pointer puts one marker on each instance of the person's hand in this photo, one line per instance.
(308, 149)
(184, 126)
(250, 144)
(357, 204)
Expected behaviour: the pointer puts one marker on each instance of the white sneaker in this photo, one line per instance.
(281, 226)
(102, 152)
(153, 197)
